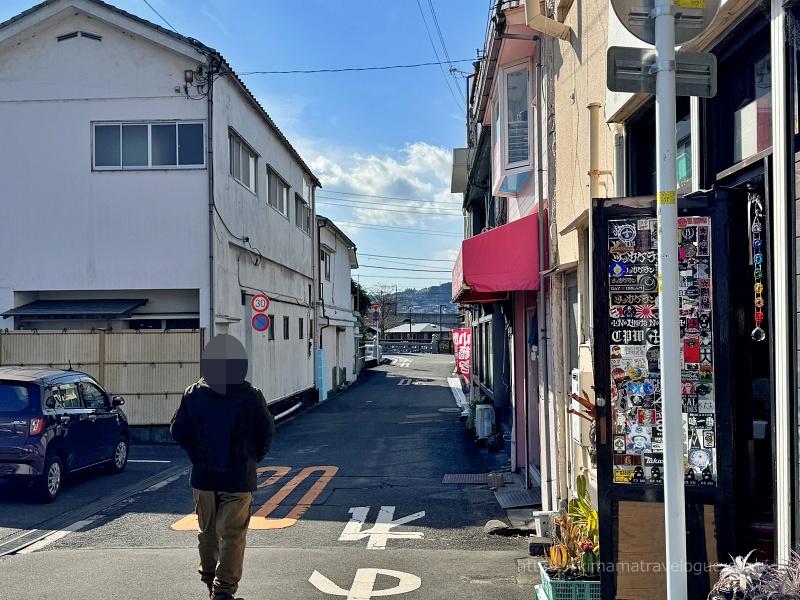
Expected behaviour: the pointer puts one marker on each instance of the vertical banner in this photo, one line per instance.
(462, 348)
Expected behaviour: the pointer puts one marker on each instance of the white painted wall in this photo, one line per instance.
(118, 233)
(340, 346)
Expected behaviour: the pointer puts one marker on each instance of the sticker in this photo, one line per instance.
(702, 389)
(691, 350)
(618, 281)
(627, 460)
(636, 373)
(638, 475)
(629, 312)
(635, 389)
(688, 234)
(636, 258)
(643, 239)
(669, 197)
(621, 249)
(702, 241)
(618, 374)
(626, 351)
(701, 270)
(638, 440)
(634, 299)
(626, 336)
(630, 324)
(619, 444)
(641, 270)
(646, 417)
(655, 475)
(688, 387)
(653, 460)
(709, 440)
(624, 231)
(653, 336)
(618, 269)
(700, 458)
(689, 403)
(623, 475)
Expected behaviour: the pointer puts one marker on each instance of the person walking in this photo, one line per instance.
(225, 426)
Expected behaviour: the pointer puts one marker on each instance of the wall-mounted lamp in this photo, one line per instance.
(188, 75)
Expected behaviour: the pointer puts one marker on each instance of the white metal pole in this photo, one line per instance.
(666, 183)
(781, 321)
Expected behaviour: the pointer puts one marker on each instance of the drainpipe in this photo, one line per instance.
(542, 305)
(564, 451)
(619, 162)
(213, 67)
(320, 225)
(594, 192)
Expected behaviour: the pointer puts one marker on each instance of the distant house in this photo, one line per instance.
(338, 322)
(416, 332)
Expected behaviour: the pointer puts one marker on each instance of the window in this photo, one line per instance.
(326, 260)
(286, 328)
(300, 324)
(93, 397)
(66, 396)
(302, 214)
(242, 162)
(271, 328)
(149, 145)
(511, 130)
(277, 193)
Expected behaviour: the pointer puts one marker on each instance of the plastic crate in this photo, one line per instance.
(568, 589)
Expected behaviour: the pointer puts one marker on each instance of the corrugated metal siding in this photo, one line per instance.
(150, 369)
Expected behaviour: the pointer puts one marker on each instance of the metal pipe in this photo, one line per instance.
(619, 165)
(211, 207)
(594, 192)
(542, 305)
(526, 396)
(666, 183)
(781, 260)
(289, 411)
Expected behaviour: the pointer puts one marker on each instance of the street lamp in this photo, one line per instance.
(409, 320)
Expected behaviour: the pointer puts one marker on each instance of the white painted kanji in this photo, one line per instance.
(379, 533)
(363, 587)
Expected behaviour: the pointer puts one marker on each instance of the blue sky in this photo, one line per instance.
(380, 141)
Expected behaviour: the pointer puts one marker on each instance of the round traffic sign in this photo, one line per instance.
(260, 303)
(693, 18)
(376, 315)
(260, 322)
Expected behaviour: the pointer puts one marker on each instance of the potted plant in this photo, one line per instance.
(745, 580)
(585, 517)
(571, 571)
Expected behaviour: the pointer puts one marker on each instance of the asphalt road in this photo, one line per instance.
(351, 502)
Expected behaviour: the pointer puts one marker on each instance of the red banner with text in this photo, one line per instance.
(462, 347)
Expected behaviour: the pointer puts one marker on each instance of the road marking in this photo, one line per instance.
(405, 382)
(380, 533)
(161, 484)
(260, 519)
(149, 461)
(57, 535)
(363, 587)
(455, 386)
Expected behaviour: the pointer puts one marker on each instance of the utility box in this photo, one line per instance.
(484, 420)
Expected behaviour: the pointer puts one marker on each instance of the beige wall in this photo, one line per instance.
(579, 79)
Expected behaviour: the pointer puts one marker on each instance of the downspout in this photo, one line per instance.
(210, 72)
(594, 192)
(542, 305)
(526, 395)
(321, 294)
(564, 451)
(619, 167)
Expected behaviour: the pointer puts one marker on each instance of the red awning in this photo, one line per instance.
(501, 260)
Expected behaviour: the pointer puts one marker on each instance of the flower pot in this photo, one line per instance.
(568, 589)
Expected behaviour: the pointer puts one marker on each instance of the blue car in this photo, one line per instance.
(53, 422)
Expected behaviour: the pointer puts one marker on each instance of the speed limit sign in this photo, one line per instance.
(260, 303)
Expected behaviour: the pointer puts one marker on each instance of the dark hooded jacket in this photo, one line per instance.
(226, 435)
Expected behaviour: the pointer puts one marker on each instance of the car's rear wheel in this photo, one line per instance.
(48, 485)
(120, 460)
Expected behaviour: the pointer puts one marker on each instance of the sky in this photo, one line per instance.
(380, 141)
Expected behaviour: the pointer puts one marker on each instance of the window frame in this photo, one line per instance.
(279, 192)
(502, 168)
(235, 166)
(149, 166)
(302, 214)
(286, 328)
(271, 328)
(301, 326)
(326, 262)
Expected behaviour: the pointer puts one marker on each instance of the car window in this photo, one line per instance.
(14, 398)
(66, 395)
(93, 397)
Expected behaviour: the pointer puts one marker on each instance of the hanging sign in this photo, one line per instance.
(462, 347)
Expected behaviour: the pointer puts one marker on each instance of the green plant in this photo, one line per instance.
(586, 519)
(564, 555)
(743, 579)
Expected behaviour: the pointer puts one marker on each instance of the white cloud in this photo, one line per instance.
(418, 171)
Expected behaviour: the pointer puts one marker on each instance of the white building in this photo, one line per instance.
(142, 169)
(337, 319)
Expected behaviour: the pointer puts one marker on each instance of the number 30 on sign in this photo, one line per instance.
(260, 303)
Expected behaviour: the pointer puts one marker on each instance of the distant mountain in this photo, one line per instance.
(427, 300)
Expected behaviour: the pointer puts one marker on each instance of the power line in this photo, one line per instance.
(420, 203)
(397, 262)
(343, 70)
(446, 53)
(405, 257)
(396, 269)
(402, 229)
(162, 18)
(440, 279)
(421, 211)
(455, 202)
(428, 31)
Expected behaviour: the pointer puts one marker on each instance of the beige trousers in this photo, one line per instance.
(223, 518)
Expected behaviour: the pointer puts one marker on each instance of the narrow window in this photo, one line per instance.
(271, 330)
(242, 162)
(277, 192)
(286, 328)
(300, 325)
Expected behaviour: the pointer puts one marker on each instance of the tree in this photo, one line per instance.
(386, 296)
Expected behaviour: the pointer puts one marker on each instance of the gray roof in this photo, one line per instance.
(76, 309)
(192, 42)
(418, 328)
